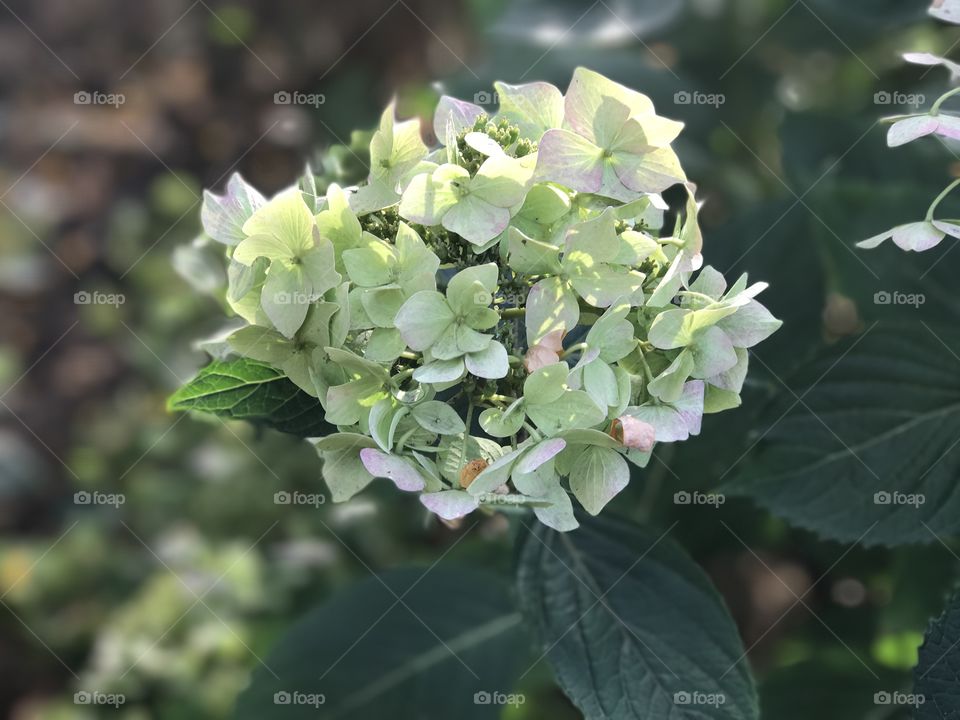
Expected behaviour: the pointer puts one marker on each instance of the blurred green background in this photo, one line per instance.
(173, 596)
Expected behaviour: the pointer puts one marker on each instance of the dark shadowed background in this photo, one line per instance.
(176, 582)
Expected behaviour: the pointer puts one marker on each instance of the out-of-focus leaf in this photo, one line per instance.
(937, 675)
(451, 642)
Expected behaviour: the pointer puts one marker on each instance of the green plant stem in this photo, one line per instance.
(946, 191)
(409, 356)
(406, 436)
(514, 312)
(579, 347)
(671, 241)
(646, 368)
(935, 108)
(466, 435)
(531, 430)
(401, 376)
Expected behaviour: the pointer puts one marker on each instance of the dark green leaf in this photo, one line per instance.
(454, 634)
(878, 414)
(632, 627)
(936, 679)
(244, 389)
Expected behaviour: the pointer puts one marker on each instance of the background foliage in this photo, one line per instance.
(174, 597)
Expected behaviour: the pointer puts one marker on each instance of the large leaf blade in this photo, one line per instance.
(863, 447)
(632, 627)
(453, 634)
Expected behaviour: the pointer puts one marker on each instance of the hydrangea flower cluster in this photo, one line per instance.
(503, 320)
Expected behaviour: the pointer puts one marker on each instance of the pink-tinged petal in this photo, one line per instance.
(946, 10)
(553, 340)
(450, 504)
(403, 475)
(634, 433)
(568, 159)
(951, 229)
(690, 406)
(917, 237)
(540, 454)
(539, 357)
(457, 113)
(904, 131)
(948, 127)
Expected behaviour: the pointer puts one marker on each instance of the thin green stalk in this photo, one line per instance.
(935, 108)
(946, 191)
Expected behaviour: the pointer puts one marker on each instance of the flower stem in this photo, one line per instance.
(579, 347)
(935, 108)
(946, 191)
(514, 312)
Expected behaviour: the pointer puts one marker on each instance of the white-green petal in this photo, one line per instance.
(223, 216)
(597, 476)
(491, 363)
(450, 504)
(423, 318)
(438, 417)
(534, 107)
(551, 305)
